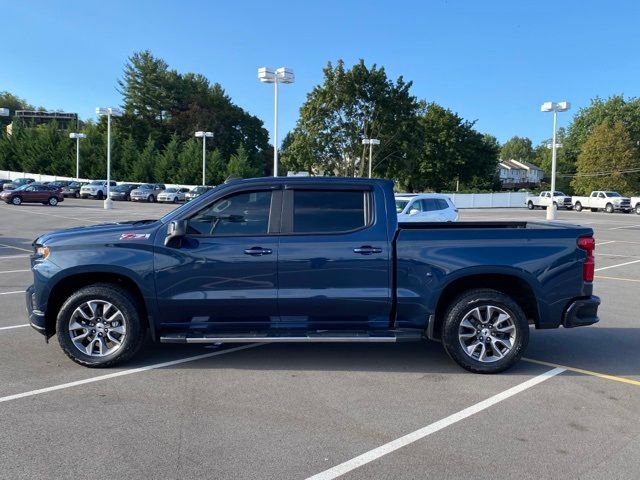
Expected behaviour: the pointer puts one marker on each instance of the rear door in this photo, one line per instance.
(334, 259)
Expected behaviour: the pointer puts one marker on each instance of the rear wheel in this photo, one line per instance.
(53, 201)
(151, 199)
(638, 209)
(16, 200)
(530, 205)
(100, 326)
(578, 207)
(485, 331)
(608, 208)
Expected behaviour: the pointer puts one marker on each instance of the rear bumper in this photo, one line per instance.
(581, 312)
(36, 317)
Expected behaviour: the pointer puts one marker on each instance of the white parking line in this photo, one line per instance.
(122, 373)
(31, 212)
(14, 271)
(4, 257)
(412, 437)
(11, 293)
(14, 326)
(624, 226)
(17, 248)
(605, 243)
(614, 266)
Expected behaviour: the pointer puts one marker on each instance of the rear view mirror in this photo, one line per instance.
(176, 230)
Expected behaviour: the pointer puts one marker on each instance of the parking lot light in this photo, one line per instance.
(204, 136)
(108, 112)
(4, 112)
(77, 136)
(371, 142)
(280, 75)
(555, 108)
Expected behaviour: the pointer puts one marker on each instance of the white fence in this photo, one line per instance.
(461, 200)
(6, 174)
(489, 200)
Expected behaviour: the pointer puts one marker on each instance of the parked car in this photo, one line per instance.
(173, 194)
(33, 193)
(196, 192)
(96, 189)
(635, 204)
(560, 200)
(123, 191)
(18, 182)
(425, 207)
(601, 200)
(147, 192)
(72, 189)
(295, 259)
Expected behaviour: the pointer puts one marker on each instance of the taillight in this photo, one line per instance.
(588, 244)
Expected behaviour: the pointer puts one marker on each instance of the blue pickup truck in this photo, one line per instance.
(309, 260)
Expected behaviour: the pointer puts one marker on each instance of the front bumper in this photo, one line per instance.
(36, 317)
(581, 312)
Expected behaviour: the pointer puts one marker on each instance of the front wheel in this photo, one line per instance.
(100, 195)
(53, 201)
(485, 331)
(100, 326)
(175, 199)
(16, 200)
(608, 208)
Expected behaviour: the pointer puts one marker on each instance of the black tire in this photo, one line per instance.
(122, 300)
(100, 195)
(77, 195)
(608, 208)
(578, 207)
(175, 199)
(638, 209)
(16, 200)
(127, 197)
(467, 302)
(555, 205)
(151, 199)
(53, 201)
(530, 205)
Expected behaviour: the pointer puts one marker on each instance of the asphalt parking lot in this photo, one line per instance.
(389, 411)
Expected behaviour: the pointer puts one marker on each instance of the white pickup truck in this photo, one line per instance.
(635, 203)
(560, 200)
(602, 200)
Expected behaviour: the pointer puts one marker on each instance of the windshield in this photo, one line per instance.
(559, 194)
(146, 186)
(96, 182)
(171, 190)
(400, 204)
(612, 194)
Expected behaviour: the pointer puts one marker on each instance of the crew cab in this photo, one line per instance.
(544, 200)
(294, 259)
(602, 200)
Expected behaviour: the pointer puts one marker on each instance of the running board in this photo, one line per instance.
(294, 339)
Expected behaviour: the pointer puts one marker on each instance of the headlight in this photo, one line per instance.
(42, 252)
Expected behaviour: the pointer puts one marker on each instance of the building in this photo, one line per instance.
(516, 174)
(30, 117)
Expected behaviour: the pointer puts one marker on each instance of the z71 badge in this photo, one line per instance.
(134, 236)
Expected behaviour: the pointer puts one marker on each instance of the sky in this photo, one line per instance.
(494, 62)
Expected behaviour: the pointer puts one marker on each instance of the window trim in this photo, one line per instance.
(288, 210)
(273, 222)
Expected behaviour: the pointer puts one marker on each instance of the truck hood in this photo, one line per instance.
(131, 231)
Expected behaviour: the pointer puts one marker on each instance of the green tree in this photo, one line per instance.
(607, 161)
(518, 148)
(352, 104)
(166, 163)
(215, 169)
(239, 165)
(190, 163)
(143, 167)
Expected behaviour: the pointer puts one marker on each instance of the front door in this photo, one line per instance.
(223, 277)
(334, 261)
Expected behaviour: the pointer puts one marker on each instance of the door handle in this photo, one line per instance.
(258, 251)
(367, 250)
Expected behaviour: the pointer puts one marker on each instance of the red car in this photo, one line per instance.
(34, 193)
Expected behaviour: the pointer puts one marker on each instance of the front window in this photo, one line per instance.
(245, 213)
(400, 204)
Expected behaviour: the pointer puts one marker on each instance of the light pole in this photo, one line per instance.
(371, 142)
(77, 136)
(280, 75)
(204, 136)
(109, 112)
(555, 108)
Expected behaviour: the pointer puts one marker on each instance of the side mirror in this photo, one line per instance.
(414, 211)
(175, 232)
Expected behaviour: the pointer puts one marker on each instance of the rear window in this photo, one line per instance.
(329, 211)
